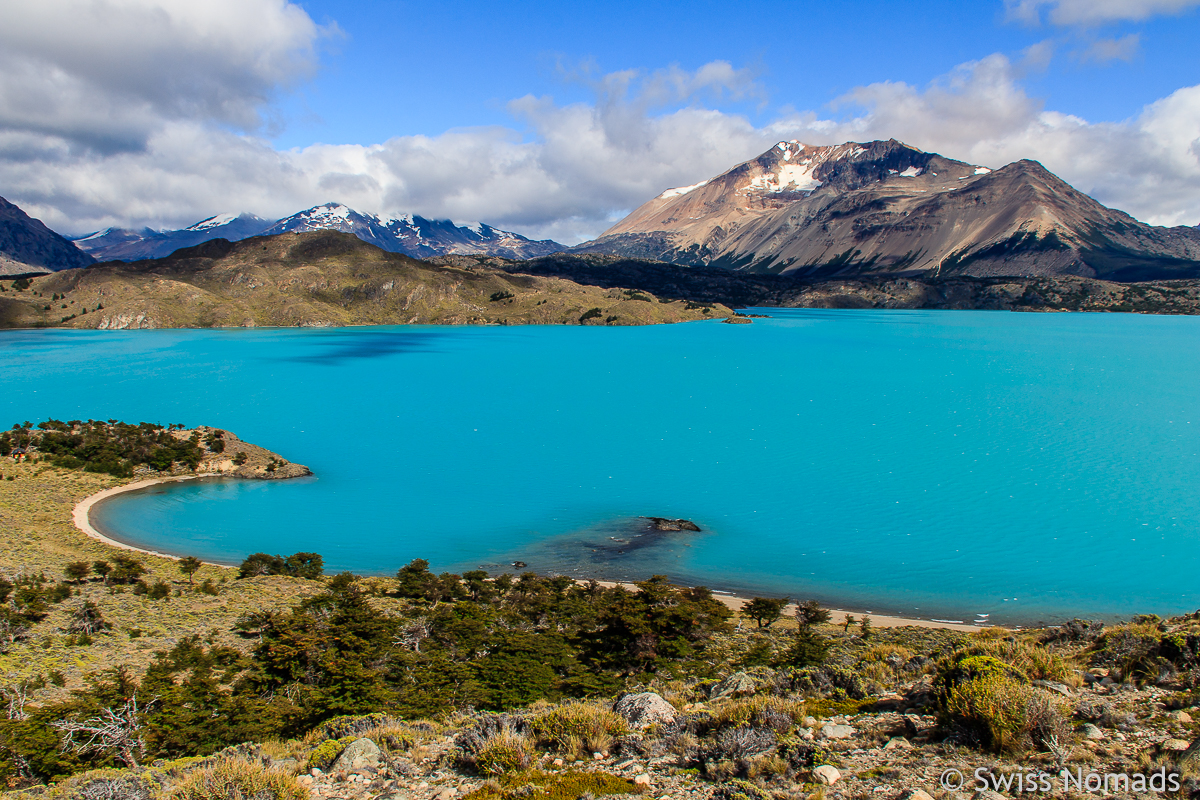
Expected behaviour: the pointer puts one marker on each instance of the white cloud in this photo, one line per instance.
(1093, 12)
(1103, 51)
(105, 75)
(179, 151)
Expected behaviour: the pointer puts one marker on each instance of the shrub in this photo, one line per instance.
(1133, 650)
(591, 313)
(505, 752)
(238, 778)
(808, 649)
(994, 708)
(549, 786)
(740, 790)
(324, 754)
(776, 713)
(158, 591)
(594, 726)
(503, 294)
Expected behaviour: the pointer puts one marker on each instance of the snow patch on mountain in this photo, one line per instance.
(682, 190)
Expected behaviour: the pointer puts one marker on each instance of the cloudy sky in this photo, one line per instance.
(555, 119)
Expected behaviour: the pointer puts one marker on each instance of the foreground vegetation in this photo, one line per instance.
(131, 675)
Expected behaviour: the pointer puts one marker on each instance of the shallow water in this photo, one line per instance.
(934, 464)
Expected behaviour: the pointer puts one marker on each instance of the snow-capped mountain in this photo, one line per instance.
(412, 235)
(883, 206)
(123, 244)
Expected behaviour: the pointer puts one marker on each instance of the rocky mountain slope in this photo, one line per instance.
(123, 244)
(28, 246)
(886, 207)
(411, 235)
(322, 278)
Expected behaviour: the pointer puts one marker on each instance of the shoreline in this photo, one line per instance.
(80, 516)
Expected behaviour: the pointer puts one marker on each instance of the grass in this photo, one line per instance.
(37, 535)
(554, 786)
(238, 779)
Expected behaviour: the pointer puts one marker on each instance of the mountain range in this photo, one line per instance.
(885, 207)
(409, 235)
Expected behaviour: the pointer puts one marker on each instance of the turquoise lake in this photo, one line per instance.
(1033, 467)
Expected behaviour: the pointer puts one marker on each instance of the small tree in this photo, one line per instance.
(77, 570)
(102, 568)
(810, 613)
(189, 565)
(864, 627)
(846, 623)
(765, 610)
(127, 570)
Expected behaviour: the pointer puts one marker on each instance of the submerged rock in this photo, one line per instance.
(667, 524)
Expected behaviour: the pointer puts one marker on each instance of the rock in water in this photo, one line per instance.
(644, 709)
(667, 524)
(359, 756)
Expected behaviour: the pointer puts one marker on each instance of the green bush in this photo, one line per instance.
(327, 752)
(591, 313)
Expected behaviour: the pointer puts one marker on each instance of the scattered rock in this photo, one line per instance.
(362, 754)
(915, 794)
(1090, 731)
(1053, 686)
(898, 743)
(519, 565)
(988, 794)
(447, 793)
(667, 524)
(1177, 745)
(642, 780)
(809, 722)
(1180, 716)
(829, 731)
(644, 709)
(826, 774)
(739, 684)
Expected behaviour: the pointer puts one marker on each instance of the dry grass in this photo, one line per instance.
(238, 779)
(578, 728)
(758, 710)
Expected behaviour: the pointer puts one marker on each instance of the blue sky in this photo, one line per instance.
(555, 120)
(422, 68)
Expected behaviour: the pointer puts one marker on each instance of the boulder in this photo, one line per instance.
(738, 684)
(898, 743)
(829, 731)
(1090, 731)
(826, 774)
(987, 794)
(361, 755)
(644, 709)
(642, 780)
(1176, 745)
(915, 794)
(1180, 716)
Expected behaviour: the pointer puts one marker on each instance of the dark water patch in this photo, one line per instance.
(340, 346)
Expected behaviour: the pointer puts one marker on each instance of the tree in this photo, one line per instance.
(116, 730)
(864, 627)
(808, 649)
(77, 570)
(847, 622)
(765, 610)
(189, 566)
(87, 619)
(103, 569)
(127, 569)
(810, 613)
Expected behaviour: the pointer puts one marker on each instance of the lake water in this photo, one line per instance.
(934, 464)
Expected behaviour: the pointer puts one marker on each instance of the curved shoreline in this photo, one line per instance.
(80, 514)
(735, 602)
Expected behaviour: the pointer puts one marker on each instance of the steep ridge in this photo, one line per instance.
(886, 207)
(410, 234)
(28, 246)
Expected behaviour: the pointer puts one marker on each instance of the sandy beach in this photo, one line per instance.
(82, 521)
